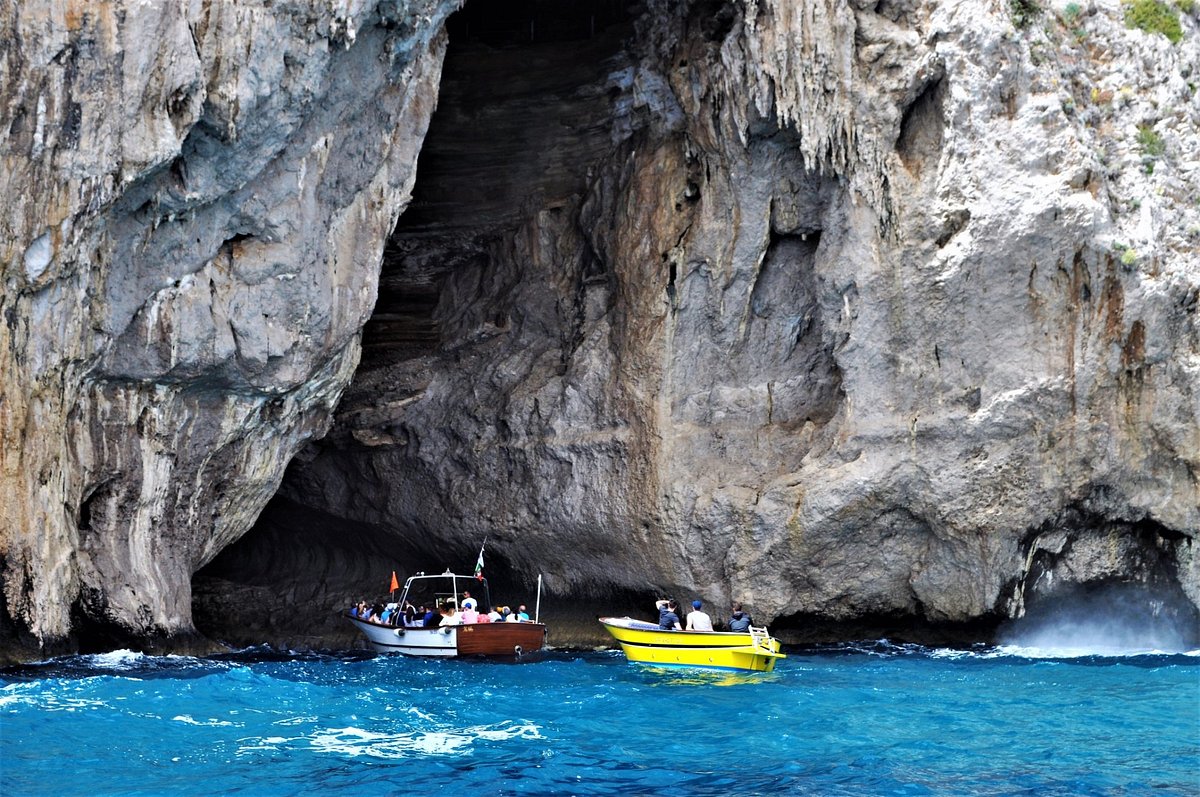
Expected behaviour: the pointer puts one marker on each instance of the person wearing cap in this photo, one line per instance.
(698, 620)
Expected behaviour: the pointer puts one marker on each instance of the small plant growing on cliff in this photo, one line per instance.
(1152, 147)
(1023, 12)
(1150, 142)
(1125, 254)
(1186, 6)
(1154, 16)
(1072, 17)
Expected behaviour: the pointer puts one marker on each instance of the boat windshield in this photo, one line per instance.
(434, 592)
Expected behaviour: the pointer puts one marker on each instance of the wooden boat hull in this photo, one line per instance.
(483, 639)
(646, 643)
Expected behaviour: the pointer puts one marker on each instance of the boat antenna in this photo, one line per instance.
(537, 608)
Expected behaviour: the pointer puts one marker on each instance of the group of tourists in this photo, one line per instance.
(440, 614)
(697, 618)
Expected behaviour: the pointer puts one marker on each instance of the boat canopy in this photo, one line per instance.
(439, 589)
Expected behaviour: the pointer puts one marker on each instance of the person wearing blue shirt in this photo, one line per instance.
(668, 617)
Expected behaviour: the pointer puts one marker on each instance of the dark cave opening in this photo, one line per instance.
(525, 107)
(1098, 583)
(523, 110)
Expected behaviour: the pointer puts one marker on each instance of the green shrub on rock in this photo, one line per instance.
(1150, 141)
(1154, 16)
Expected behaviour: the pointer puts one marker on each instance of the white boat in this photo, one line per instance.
(477, 639)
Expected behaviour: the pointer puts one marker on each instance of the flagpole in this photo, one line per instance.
(479, 561)
(537, 609)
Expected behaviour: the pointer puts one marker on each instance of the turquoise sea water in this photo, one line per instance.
(858, 719)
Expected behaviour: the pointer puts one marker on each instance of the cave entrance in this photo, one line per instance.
(524, 109)
(527, 103)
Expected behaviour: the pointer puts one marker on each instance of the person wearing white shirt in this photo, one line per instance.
(698, 620)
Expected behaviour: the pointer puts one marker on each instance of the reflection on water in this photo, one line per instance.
(667, 675)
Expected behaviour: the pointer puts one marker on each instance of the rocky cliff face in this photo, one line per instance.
(197, 197)
(872, 315)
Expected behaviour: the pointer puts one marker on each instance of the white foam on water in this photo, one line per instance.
(295, 721)
(256, 744)
(187, 719)
(32, 694)
(116, 659)
(1072, 652)
(359, 742)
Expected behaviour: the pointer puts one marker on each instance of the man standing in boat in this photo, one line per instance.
(668, 617)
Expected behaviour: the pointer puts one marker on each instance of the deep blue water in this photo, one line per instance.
(869, 719)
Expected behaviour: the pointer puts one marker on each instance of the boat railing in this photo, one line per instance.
(760, 638)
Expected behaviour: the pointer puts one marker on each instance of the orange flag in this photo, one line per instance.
(395, 583)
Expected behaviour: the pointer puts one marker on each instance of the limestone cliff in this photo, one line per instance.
(869, 314)
(197, 195)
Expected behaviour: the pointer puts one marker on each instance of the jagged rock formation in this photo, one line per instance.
(865, 313)
(197, 197)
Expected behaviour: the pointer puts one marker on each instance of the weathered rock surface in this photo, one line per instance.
(867, 314)
(196, 199)
(872, 315)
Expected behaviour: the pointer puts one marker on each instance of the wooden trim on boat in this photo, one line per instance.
(500, 639)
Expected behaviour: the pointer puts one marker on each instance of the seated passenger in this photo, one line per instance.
(522, 615)
(450, 616)
(484, 617)
(740, 621)
(495, 615)
(469, 615)
(668, 619)
(698, 620)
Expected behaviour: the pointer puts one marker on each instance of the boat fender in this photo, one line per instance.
(399, 632)
(517, 650)
(446, 631)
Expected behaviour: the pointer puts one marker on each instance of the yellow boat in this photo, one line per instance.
(753, 650)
